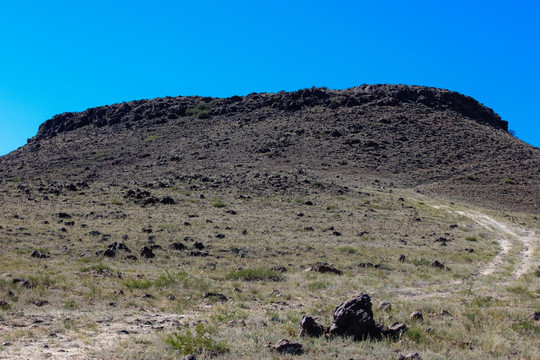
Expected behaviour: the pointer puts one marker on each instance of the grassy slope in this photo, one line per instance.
(91, 298)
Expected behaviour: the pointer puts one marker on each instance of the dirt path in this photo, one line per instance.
(505, 234)
(526, 238)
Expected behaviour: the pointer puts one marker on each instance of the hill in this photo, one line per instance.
(433, 140)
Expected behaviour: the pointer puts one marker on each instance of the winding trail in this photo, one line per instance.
(526, 238)
(507, 236)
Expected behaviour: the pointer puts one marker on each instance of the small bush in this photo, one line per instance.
(471, 238)
(198, 342)
(508, 181)
(472, 177)
(348, 250)
(219, 204)
(254, 275)
(316, 285)
(137, 283)
(15, 180)
(201, 111)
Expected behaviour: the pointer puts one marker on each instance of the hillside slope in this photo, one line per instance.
(438, 141)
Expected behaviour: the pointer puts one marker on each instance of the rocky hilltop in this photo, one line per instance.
(436, 141)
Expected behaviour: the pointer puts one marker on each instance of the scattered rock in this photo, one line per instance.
(197, 253)
(147, 253)
(395, 330)
(198, 246)
(437, 264)
(285, 346)
(220, 236)
(385, 305)
(220, 297)
(24, 282)
(109, 253)
(64, 215)
(411, 356)
(39, 254)
(369, 265)
(535, 316)
(178, 246)
(445, 313)
(309, 327)
(190, 357)
(167, 201)
(41, 303)
(131, 257)
(354, 318)
(401, 258)
(324, 268)
(279, 268)
(417, 315)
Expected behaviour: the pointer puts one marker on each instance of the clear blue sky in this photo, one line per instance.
(59, 56)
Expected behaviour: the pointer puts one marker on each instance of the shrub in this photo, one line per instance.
(137, 283)
(201, 111)
(195, 343)
(472, 177)
(254, 275)
(219, 204)
(508, 181)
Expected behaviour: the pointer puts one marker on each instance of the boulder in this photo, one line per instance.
(354, 318)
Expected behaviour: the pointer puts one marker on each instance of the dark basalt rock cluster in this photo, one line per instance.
(164, 109)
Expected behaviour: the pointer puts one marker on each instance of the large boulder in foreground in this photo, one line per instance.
(354, 318)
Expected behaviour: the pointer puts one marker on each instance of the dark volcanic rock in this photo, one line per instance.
(354, 318)
(288, 347)
(220, 297)
(309, 327)
(147, 253)
(325, 268)
(178, 246)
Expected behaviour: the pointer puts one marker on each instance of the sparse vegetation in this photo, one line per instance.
(201, 340)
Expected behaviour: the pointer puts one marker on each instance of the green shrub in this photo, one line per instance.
(316, 285)
(508, 181)
(471, 238)
(472, 177)
(137, 283)
(254, 275)
(201, 111)
(195, 343)
(219, 204)
(348, 250)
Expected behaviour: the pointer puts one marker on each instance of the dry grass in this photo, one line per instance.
(118, 308)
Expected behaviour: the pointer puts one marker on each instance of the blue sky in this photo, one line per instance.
(59, 56)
